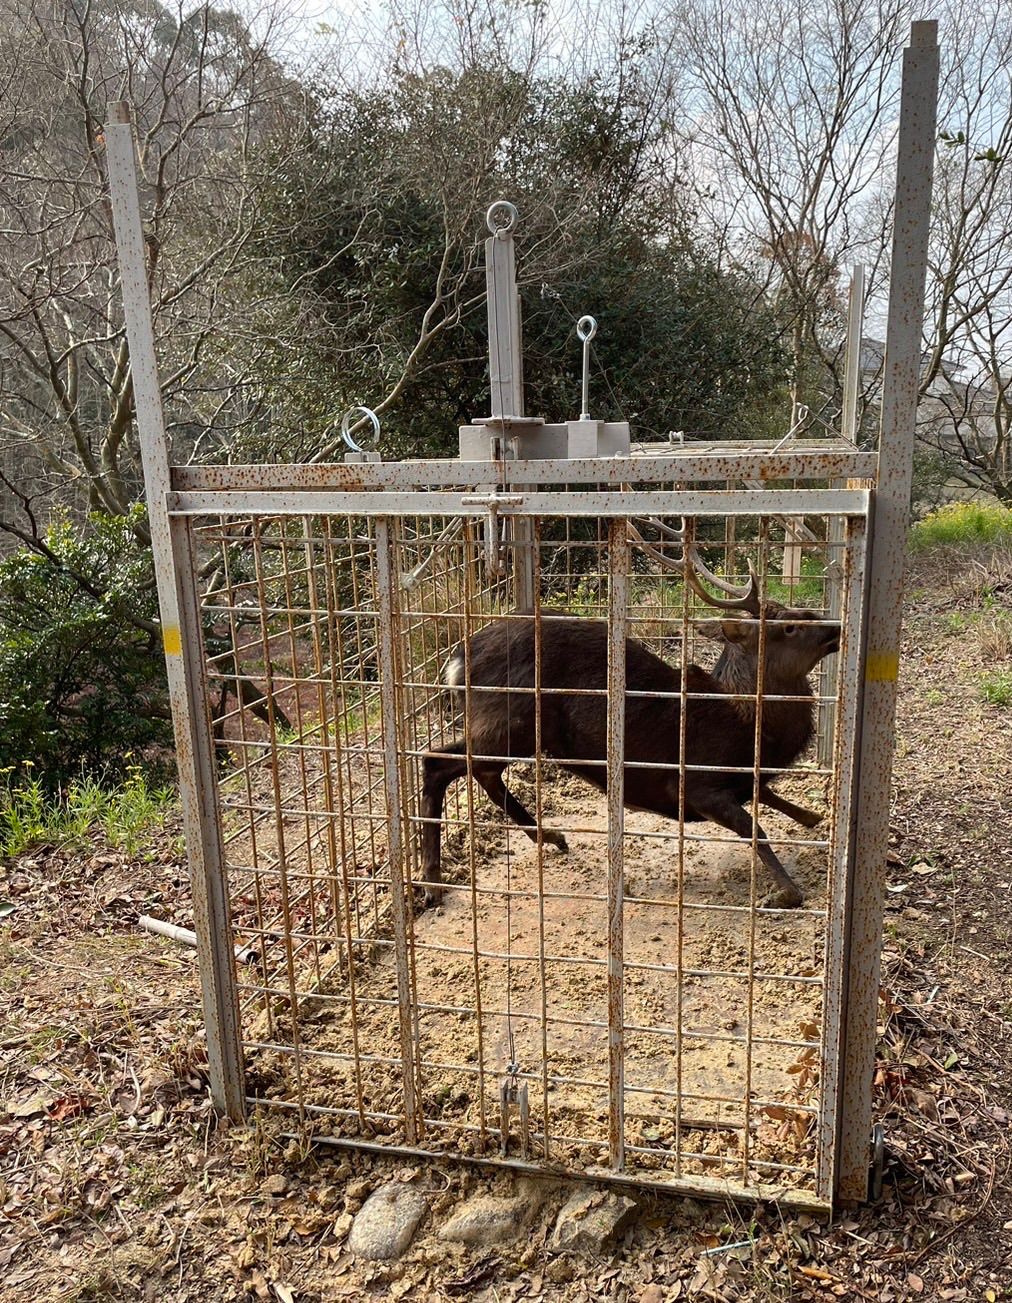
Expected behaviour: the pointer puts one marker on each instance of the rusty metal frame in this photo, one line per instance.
(386, 589)
(849, 599)
(756, 461)
(618, 609)
(397, 752)
(423, 502)
(868, 526)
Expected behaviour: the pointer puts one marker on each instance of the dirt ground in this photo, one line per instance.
(116, 1183)
(715, 943)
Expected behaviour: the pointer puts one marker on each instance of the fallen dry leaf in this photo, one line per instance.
(69, 1106)
(817, 1273)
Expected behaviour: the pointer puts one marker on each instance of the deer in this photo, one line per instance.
(719, 733)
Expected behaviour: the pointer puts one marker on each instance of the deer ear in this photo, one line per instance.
(735, 630)
(711, 629)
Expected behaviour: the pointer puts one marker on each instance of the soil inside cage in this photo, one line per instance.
(513, 968)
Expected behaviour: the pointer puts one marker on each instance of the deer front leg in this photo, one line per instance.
(492, 782)
(721, 808)
(439, 770)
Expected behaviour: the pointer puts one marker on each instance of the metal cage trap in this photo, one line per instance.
(487, 765)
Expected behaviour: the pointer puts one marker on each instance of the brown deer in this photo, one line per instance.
(719, 734)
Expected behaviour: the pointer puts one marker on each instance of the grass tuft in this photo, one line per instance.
(996, 637)
(996, 688)
(959, 524)
(129, 814)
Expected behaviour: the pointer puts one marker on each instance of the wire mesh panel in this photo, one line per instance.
(508, 806)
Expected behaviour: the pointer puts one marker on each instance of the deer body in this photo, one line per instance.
(719, 733)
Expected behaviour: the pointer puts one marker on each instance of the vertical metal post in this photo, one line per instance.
(385, 587)
(505, 360)
(854, 534)
(181, 638)
(829, 669)
(506, 372)
(915, 159)
(618, 588)
(852, 357)
(826, 731)
(523, 543)
(791, 569)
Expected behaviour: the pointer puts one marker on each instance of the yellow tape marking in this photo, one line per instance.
(171, 640)
(882, 667)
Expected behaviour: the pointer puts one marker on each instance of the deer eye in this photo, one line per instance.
(790, 630)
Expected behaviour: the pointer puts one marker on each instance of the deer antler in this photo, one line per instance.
(739, 599)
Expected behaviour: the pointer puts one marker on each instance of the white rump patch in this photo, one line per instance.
(453, 674)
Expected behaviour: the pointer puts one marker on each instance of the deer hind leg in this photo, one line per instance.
(807, 818)
(439, 770)
(723, 809)
(492, 782)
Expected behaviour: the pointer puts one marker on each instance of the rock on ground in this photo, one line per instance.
(486, 1220)
(590, 1220)
(489, 1219)
(384, 1227)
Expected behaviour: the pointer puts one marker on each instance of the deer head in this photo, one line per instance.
(796, 638)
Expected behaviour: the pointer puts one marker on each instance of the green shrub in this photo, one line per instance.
(82, 674)
(961, 523)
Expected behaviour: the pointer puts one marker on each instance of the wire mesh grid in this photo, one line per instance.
(661, 1019)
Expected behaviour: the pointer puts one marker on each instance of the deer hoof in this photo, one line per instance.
(786, 897)
(557, 840)
(811, 819)
(433, 894)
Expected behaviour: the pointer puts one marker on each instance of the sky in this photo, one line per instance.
(350, 42)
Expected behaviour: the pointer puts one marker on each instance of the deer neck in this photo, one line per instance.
(786, 725)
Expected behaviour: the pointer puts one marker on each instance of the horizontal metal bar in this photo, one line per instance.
(550, 1019)
(703, 1187)
(639, 694)
(756, 1105)
(674, 767)
(723, 502)
(721, 460)
(464, 887)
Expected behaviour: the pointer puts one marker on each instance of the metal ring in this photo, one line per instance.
(501, 217)
(586, 328)
(346, 423)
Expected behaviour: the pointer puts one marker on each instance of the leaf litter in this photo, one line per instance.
(116, 1181)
